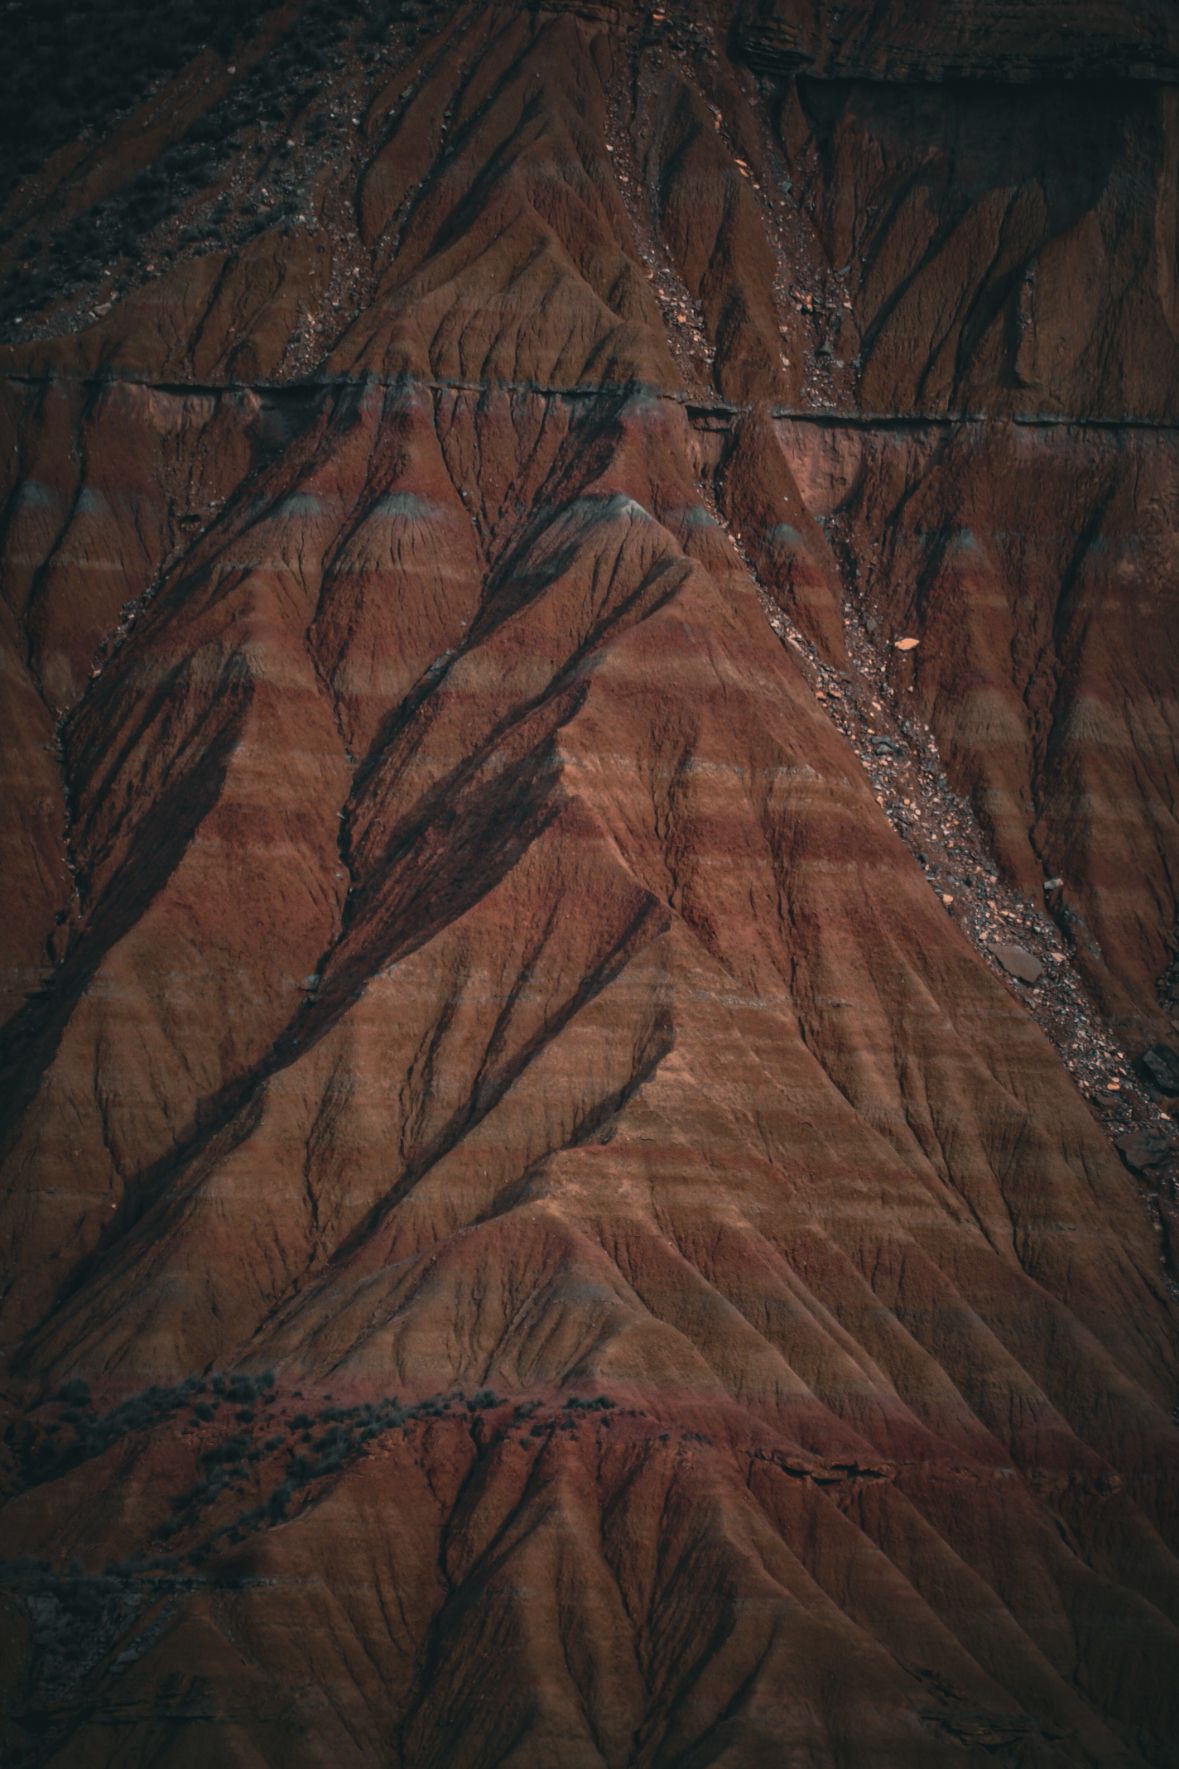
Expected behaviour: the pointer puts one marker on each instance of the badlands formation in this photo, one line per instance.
(591, 758)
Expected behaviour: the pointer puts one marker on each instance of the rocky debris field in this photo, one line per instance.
(1021, 941)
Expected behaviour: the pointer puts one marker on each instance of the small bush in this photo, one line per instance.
(231, 1451)
(279, 1499)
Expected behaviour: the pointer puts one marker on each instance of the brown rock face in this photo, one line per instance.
(581, 581)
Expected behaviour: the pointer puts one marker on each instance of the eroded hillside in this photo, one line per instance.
(576, 581)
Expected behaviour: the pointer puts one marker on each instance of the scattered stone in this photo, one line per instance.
(1053, 884)
(1016, 961)
(906, 644)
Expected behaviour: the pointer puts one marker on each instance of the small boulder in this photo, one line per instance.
(1017, 962)
(1144, 1147)
(1159, 1063)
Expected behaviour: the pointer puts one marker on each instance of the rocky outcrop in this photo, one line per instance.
(1009, 40)
(558, 612)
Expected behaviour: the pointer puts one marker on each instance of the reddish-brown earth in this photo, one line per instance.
(539, 1226)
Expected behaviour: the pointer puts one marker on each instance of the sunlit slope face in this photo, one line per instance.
(536, 1228)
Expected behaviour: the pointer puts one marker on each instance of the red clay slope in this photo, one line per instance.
(536, 1229)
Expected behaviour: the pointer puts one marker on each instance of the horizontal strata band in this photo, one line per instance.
(713, 413)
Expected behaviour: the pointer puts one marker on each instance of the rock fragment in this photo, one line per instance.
(1159, 1063)
(1144, 1147)
(1017, 961)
